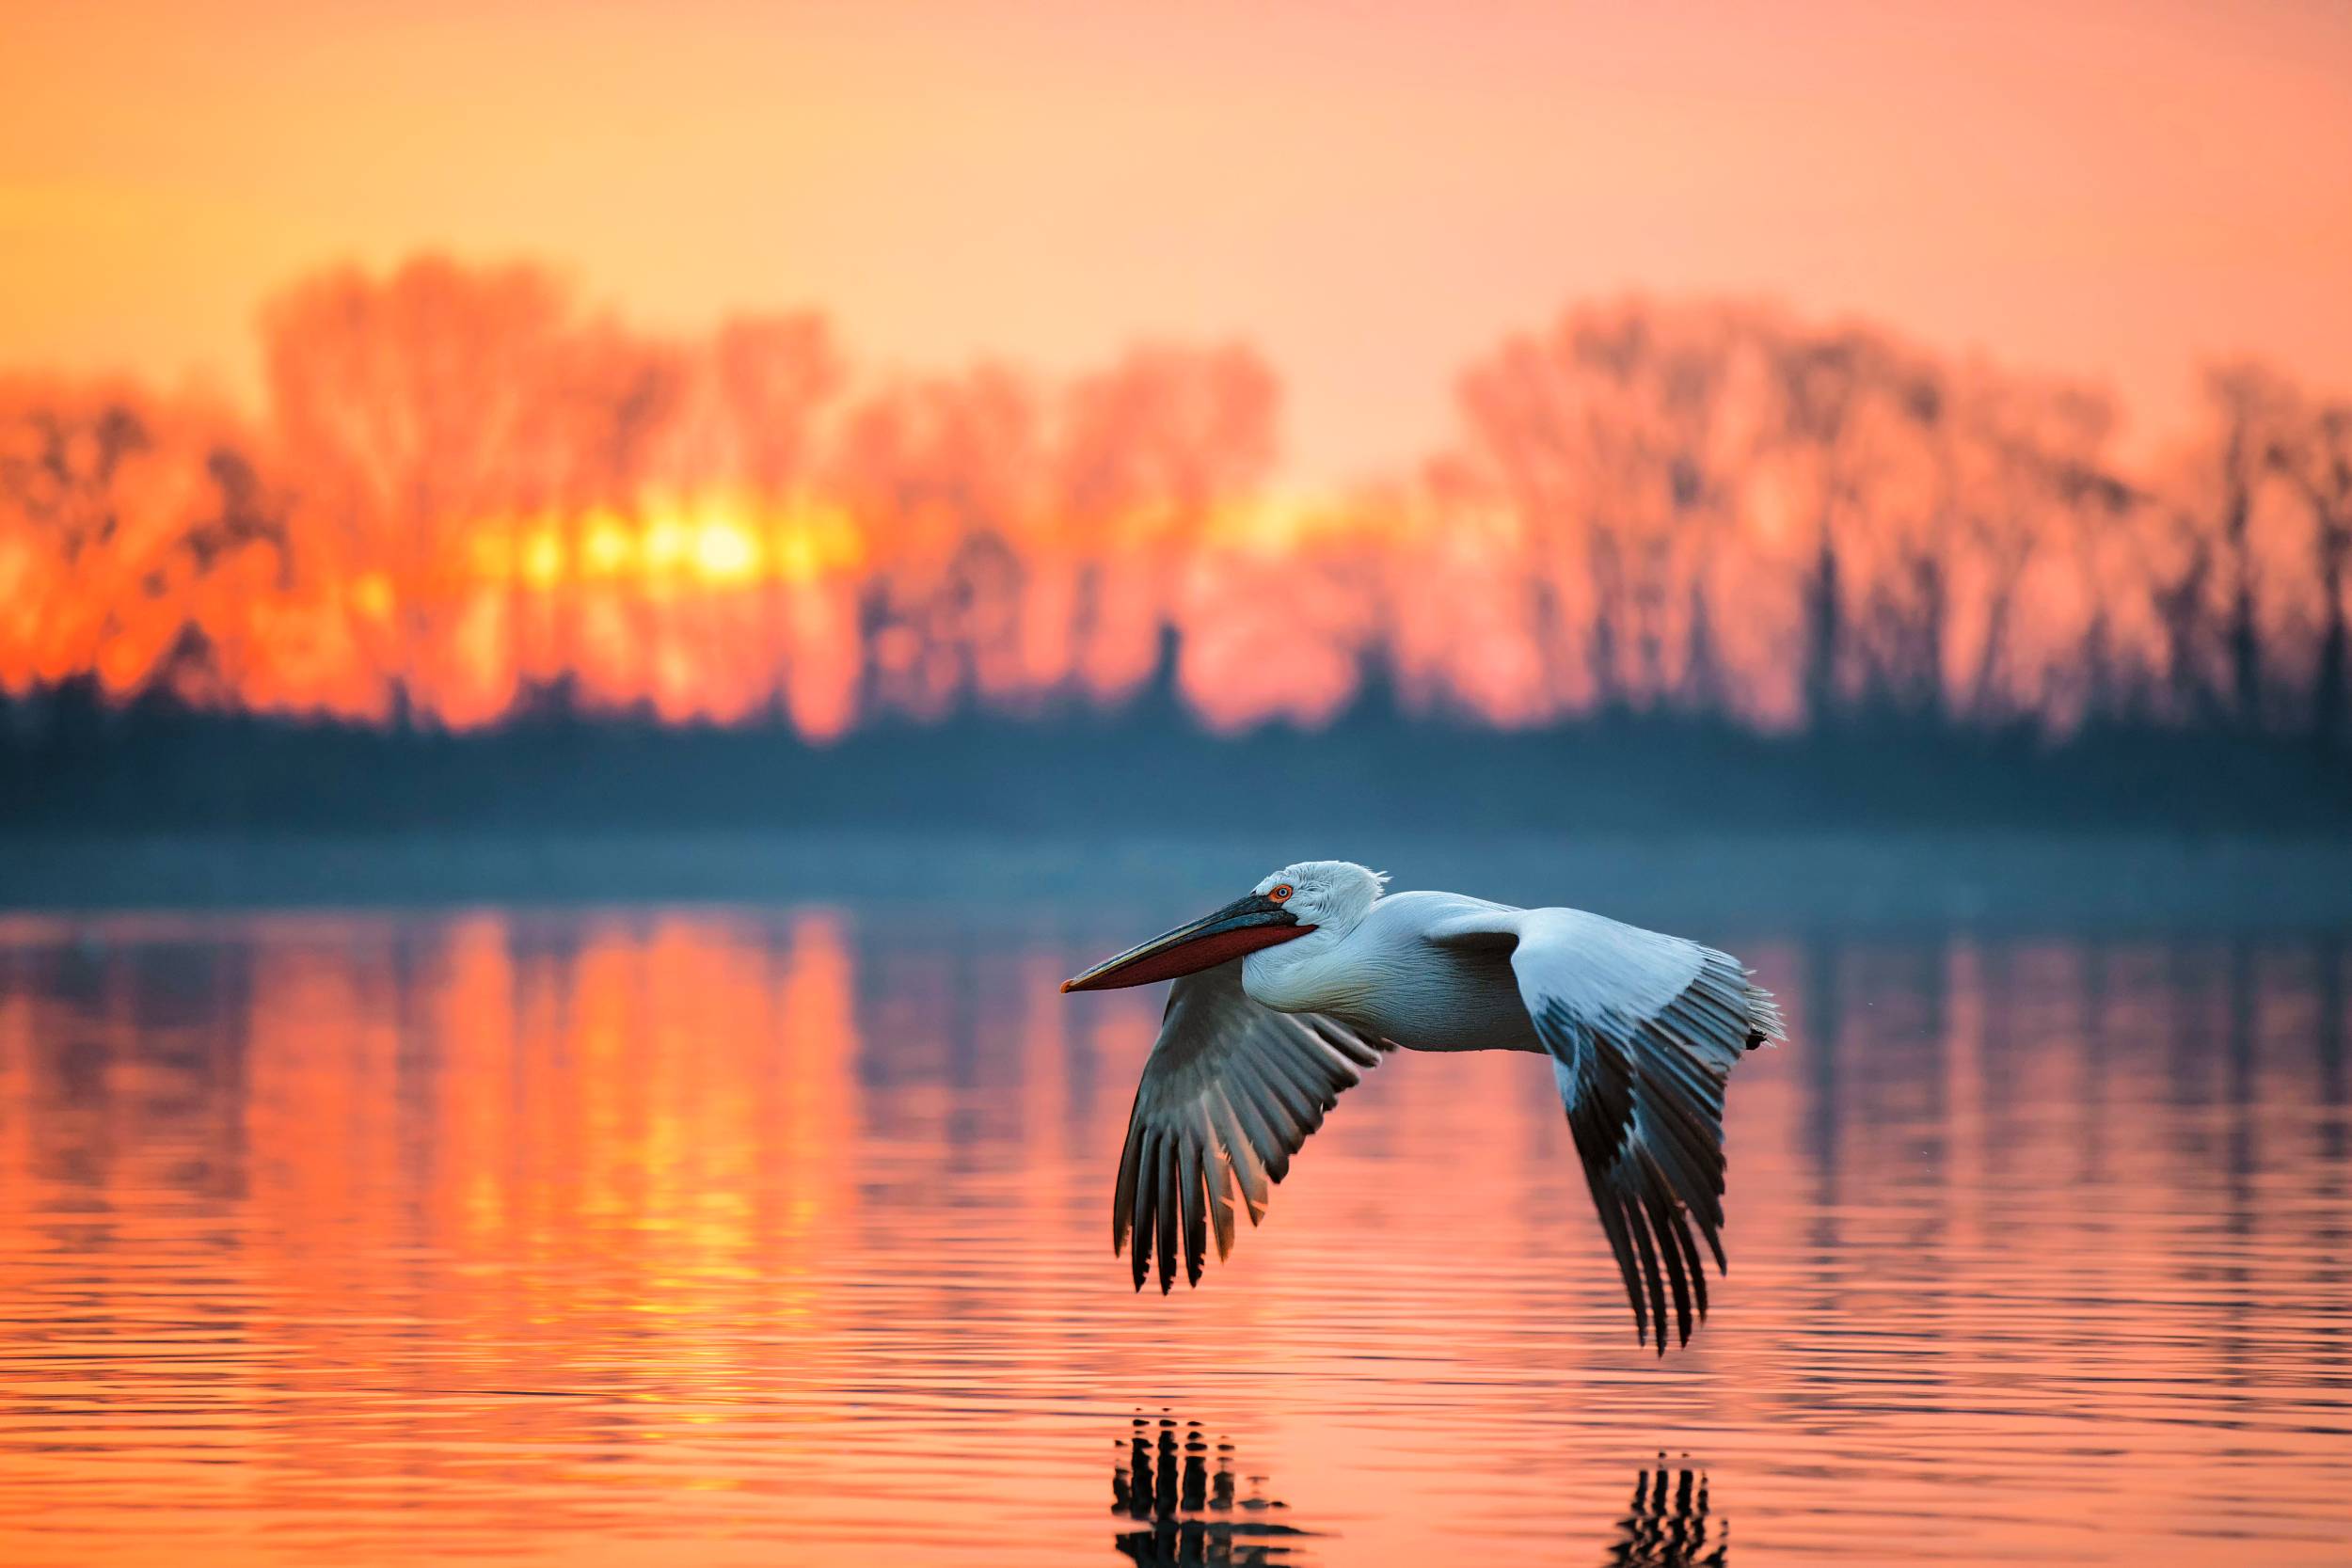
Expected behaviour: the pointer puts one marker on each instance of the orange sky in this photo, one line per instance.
(1372, 193)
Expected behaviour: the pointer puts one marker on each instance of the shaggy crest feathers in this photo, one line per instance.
(1334, 893)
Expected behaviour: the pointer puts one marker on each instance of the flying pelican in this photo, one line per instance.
(1284, 997)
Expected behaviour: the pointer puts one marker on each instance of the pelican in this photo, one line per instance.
(1284, 997)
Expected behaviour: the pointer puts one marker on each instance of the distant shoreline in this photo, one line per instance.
(1998, 880)
(87, 770)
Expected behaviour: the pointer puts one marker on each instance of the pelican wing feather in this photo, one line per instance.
(1229, 1093)
(1643, 1030)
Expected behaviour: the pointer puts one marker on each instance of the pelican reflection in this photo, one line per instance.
(1187, 1504)
(1181, 1501)
(1669, 1526)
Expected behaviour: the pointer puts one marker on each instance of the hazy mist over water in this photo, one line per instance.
(637, 1234)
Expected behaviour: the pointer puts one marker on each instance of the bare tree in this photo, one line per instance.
(2312, 450)
(2240, 396)
(469, 488)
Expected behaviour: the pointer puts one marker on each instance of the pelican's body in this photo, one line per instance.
(1385, 976)
(1284, 997)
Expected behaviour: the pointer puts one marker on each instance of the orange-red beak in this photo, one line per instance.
(1241, 927)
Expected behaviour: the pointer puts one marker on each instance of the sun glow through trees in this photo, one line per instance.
(469, 497)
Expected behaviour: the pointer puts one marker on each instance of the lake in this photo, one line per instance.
(625, 1235)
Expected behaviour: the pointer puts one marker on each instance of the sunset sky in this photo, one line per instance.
(1371, 193)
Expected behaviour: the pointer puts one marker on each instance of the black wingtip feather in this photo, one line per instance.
(1169, 1214)
(1140, 1251)
(1671, 1243)
(1613, 1226)
(1650, 1275)
(1188, 1176)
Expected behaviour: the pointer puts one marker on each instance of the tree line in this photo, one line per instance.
(468, 497)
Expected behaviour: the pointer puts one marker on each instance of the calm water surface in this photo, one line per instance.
(782, 1236)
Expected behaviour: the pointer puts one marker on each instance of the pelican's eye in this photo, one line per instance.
(1280, 891)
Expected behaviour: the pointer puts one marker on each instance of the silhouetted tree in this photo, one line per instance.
(2312, 448)
(469, 493)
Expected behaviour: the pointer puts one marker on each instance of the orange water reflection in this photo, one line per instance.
(652, 1236)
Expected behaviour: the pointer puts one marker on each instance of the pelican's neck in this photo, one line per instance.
(1300, 975)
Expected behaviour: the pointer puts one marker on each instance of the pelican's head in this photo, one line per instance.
(1304, 896)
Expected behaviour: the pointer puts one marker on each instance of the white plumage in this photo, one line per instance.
(1286, 996)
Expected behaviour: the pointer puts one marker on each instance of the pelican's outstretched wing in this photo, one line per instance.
(1229, 1093)
(1643, 1030)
